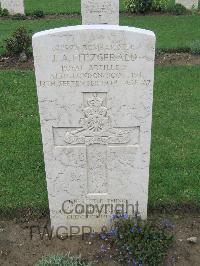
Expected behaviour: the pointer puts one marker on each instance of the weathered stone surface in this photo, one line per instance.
(192, 239)
(13, 6)
(189, 4)
(95, 91)
(100, 12)
(23, 57)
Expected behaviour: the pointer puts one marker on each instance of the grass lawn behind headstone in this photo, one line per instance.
(175, 32)
(175, 160)
(175, 163)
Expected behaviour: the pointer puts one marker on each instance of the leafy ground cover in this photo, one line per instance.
(174, 171)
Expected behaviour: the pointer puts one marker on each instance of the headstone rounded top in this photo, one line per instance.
(93, 27)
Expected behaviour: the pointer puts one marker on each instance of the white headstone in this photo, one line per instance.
(95, 92)
(100, 12)
(189, 4)
(13, 6)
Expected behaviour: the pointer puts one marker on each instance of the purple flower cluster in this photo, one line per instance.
(136, 263)
(167, 223)
(136, 227)
(103, 248)
(112, 232)
(103, 236)
(119, 215)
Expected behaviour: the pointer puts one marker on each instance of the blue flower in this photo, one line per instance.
(132, 229)
(92, 234)
(125, 216)
(103, 236)
(135, 263)
(112, 232)
(113, 217)
(103, 248)
(167, 223)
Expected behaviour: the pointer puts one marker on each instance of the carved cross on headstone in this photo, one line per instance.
(97, 135)
(95, 102)
(100, 12)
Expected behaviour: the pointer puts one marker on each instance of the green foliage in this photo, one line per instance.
(141, 242)
(172, 33)
(19, 42)
(18, 16)
(38, 14)
(59, 260)
(4, 12)
(160, 5)
(194, 11)
(195, 47)
(138, 6)
(178, 9)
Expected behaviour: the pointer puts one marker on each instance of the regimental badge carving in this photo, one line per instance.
(96, 118)
(96, 126)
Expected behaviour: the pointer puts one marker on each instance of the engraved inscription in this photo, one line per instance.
(94, 64)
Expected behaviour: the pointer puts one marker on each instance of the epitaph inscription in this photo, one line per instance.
(95, 91)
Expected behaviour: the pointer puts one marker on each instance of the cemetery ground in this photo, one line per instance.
(174, 178)
(174, 194)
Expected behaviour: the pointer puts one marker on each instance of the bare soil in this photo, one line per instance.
(172, 59)
(78, 15)
(13, 63)
(48, 16)
(166, 59)
(19, 247)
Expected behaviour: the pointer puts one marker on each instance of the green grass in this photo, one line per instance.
(62, 261)
(53, 6)
(22, 173)
(175, 161)
(58, 6)
(172, 32)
